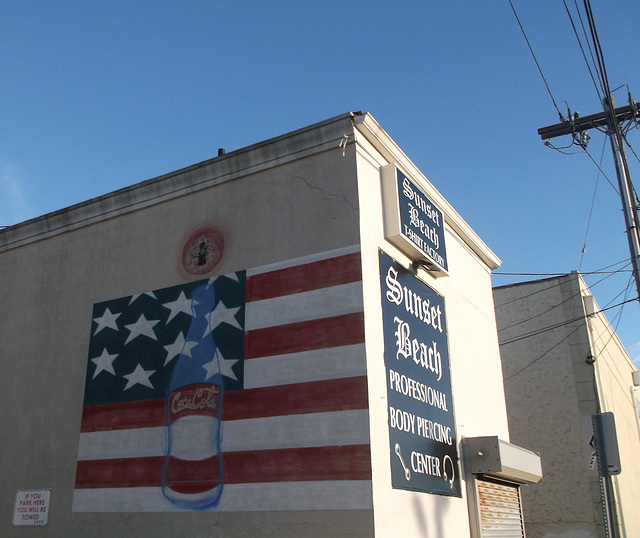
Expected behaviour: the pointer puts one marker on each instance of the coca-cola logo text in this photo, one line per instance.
(195, 399)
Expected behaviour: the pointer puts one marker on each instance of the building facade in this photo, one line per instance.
(563, 364)
(283, 340)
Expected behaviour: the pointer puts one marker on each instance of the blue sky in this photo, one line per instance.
(96, 96)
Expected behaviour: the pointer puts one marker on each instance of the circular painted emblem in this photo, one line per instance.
(202, 251)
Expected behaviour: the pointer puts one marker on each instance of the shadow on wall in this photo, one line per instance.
(430, 526)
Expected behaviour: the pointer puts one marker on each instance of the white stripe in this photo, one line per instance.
(194, 437)
(132, 443)
(303, 260)
(315, 365)
(288, 431)
(305, 306)
(269, 496)
(292, 431)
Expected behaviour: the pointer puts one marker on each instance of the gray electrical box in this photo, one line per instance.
(606, 441)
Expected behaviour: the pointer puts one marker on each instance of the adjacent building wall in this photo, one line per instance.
(548, 347)
(613, 373)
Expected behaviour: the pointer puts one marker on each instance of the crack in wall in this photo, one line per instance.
(326, 195)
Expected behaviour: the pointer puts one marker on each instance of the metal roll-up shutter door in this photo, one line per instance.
(500, 509)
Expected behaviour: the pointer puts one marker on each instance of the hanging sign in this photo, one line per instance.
(412, 221)
(423, 443)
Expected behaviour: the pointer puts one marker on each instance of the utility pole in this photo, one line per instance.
(609, 118)
(577, 127)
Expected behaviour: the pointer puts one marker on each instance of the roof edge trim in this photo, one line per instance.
(377, 136)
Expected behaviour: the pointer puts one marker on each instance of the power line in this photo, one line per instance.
(601, 171)
(544, 312)
(556, 284)
(583, 146)
(593, 201)
(600, 67)
(563, 274)
(565, 323)
(557, 326)
(536, 61)
(548, 328)
(609, 118)
(543, 355)
(629, 146)
(580, 42)
(601, 271)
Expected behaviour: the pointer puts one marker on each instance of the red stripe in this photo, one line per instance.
(188, 476)
(313, 397)
(124, 415)
(310, 276)
(350, 462)
(321, 333)
(299, 398)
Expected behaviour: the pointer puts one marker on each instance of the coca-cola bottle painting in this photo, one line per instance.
(193, 473)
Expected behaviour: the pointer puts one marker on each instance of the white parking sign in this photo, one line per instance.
(32, 507)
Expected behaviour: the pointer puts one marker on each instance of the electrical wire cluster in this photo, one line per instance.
(610, 124)
(553, 283)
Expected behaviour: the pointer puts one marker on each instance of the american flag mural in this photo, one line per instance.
(245, 391)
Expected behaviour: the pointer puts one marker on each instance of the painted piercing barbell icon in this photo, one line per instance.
(407, 473)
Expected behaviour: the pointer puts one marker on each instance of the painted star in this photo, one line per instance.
(139, 376)
(225, 366)
(178, 347)
(142, 327)
(233, 276)
(221, 314)
(181, 304)
(134, 297)
(104, 363)
(106, 320)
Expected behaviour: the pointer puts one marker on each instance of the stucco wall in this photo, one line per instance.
(478, 395)
(295, 196)
(542, 398)
(276, 202)
(551, 383)
(613, 372)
